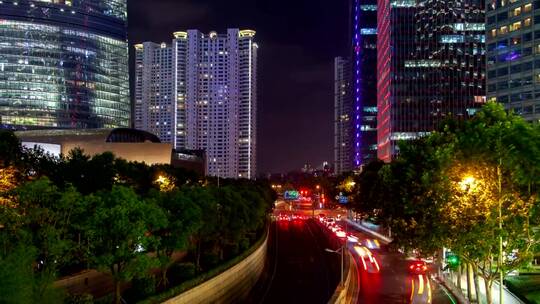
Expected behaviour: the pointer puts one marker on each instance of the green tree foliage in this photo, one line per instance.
(10, 149)
(183, 219)
(79, 211)
(118, 233)
(424, 197)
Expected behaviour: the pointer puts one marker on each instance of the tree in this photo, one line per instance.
(499, 151)
(118, 230)
(209, 217)
(183, 219)
(8, 182)
(10, 149)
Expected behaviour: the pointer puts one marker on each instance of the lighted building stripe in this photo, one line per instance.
(357, 80)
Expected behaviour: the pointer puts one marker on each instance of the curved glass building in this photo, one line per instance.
(64, 64)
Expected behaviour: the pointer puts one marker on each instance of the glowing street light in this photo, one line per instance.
(164, 182)
(468, 183)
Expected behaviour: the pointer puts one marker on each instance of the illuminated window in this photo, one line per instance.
(368, 7)
(515, 26)
(527, 22)
(503, 30)
(368, 31)
(517, 11)
(422, 64)
(493, 33)
(452, 38)
(469, 26)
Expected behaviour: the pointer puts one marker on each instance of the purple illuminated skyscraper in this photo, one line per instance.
(364, 83)
(356, 91)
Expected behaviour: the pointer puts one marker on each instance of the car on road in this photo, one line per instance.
(369, 262)
(417, 267)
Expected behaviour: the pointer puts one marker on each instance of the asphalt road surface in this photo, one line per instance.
(299, 270)
(393, 283)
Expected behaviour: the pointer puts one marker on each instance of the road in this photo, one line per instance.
(300, 271)
(393, 284)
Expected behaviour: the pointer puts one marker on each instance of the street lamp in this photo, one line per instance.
(468, 184)
(340, 251)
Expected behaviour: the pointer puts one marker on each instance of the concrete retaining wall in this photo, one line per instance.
(230, 286)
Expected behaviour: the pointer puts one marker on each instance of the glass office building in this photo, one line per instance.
(64, 64)
(431, 66)
(513, 64)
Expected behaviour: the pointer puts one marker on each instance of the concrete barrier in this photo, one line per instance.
(230, 286)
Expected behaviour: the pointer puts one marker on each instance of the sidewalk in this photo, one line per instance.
(508, 297)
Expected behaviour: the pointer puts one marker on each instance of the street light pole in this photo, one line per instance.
(501, 274)
(340, 251)
(342, 254)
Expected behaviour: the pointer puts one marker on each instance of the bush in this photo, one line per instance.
(80, 299)
(209, 260)
(141, 288)
(181, 272)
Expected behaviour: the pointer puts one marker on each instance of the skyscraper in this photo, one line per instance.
(343, 152)
(64, 64)
(430, 66)
(355, 101)
(200, 92)
(364, 81)
(512, 56)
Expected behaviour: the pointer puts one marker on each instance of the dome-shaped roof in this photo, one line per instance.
(125, 135)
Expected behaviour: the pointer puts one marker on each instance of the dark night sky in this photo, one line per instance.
(298, 40)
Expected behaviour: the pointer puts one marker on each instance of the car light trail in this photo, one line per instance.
(376, 265)
(412, 289)
(429, 290)
(364, 263)
(420, 284)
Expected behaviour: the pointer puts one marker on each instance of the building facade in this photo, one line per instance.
(430, 66)
(343, 150)
(355, 101)
(64, 64)
(200, 92)
(513, 64)
(364, 80)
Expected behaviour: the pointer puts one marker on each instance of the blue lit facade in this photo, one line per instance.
(364, 88)
(513, 63)
(64, 64)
